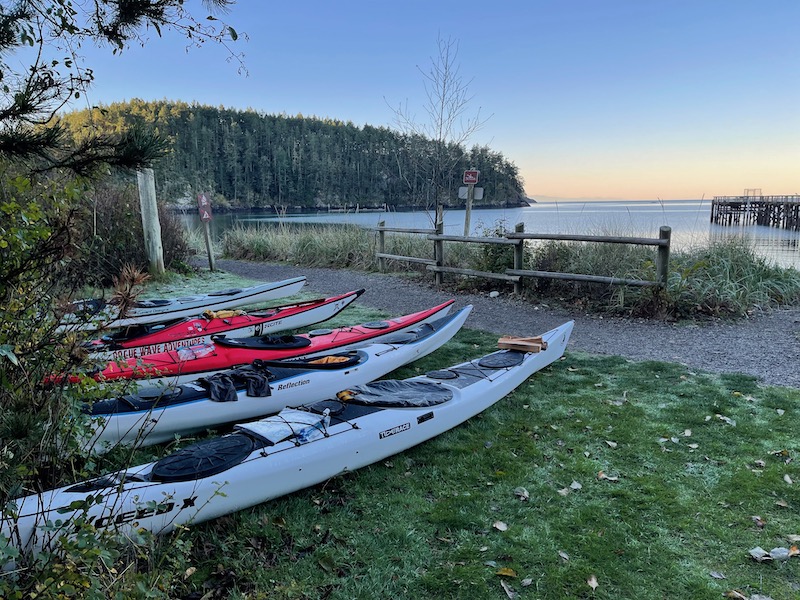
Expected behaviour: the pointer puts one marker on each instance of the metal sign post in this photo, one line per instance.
(470, 178)
(204, 208)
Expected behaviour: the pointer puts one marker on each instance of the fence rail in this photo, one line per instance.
(517, 239)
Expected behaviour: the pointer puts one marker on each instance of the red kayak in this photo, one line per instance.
(200, 360)
(137, 341)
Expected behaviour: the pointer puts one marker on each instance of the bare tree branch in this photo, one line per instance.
(437, 144)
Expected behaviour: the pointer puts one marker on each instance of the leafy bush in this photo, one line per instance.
(110, 228)
(494, 258)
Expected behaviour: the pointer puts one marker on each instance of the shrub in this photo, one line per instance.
(110, 231)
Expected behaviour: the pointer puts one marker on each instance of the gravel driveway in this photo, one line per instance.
(766, 345)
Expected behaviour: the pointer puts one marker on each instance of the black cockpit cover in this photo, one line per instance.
(401, 394)
(203, 459)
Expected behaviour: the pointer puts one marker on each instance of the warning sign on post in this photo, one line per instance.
(204, 208)
(471, 176)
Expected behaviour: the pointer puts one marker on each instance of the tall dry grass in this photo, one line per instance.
(724, 278)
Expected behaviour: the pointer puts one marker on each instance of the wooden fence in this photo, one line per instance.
(517, 239)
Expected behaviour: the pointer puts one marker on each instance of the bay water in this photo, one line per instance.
(689, 220)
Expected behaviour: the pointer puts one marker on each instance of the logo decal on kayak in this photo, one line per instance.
(394, 430)
(293, 384)
(139, 513)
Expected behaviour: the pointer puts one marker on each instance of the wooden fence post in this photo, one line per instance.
(150, 223)
(381, 246)
(662, 258)
(519, 255)
(438, 252)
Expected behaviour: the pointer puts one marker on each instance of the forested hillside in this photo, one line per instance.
(249, 159)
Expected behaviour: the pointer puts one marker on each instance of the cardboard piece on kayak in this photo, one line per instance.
(522, 344)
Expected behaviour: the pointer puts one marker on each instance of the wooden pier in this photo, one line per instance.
(770, 211)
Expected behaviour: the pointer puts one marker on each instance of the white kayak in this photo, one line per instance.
(98, 314)
(280, 454)
(141, 340)
(157, 414)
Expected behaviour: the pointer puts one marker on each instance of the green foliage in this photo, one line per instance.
(38, 424)
(728, 278)
(252, 159)
(110, 231)
(495, 258)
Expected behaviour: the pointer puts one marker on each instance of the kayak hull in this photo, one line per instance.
(85, 316)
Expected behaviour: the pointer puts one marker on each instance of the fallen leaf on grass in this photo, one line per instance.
(782, 503)
(189, 572)
(687, 433)
(611, 444)
(522, 494)
(575, 485)
(603, 477)
(727, 420)
(592, 582)
(564, 491)
(327, 564)
(508, 590)
(780, 553)
(717, 575)
(564, 556)
(788, 479)
(500, 526)
(780, 411)
(506, 572)
(735, 594)
(758, 521)
(526, 582)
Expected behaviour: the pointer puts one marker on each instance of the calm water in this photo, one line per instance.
(689, 220)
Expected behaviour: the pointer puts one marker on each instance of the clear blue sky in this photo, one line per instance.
(632, 99)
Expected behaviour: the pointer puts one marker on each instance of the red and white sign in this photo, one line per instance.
(204, 207)
(471, 176)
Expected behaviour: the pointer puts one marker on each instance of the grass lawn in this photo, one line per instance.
(599, 478)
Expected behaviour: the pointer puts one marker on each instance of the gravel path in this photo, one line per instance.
(766, 346)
